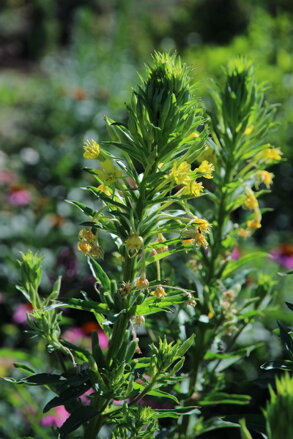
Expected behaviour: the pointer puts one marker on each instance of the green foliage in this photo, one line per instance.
(279, 409)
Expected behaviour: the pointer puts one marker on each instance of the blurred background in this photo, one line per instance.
(64, 64)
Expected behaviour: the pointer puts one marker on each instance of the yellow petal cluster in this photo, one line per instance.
(206, 169)
(202, 225)
(91, 149)
(180, 173)
(271, 154)
(200, 240)
(264, 177)
(109, 174)
(192, 188)
(250, 201)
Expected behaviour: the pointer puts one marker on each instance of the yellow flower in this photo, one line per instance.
(87, 235)
(265, 177)
(250, 201)
(159, 292)
(202, 225)
(84, 247)
(253, 224)
(271, 154)
(200, 240)
(91, 149)
(134, 242)
(192, 188)
(193, 135)
(249, 130)
(109, 174)
(243, 233)
(206, 169)
(104, 189)
(180, 174)
(188, 241)
(142, 283)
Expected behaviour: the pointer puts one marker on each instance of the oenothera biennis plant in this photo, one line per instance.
(148, 182)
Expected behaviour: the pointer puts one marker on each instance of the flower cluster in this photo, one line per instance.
(88, 244)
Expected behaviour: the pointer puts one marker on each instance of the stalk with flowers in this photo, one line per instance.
(147, 193)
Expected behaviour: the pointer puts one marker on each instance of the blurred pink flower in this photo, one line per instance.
(19, 315)
(235, 254)
(284, 255)
(18, 196)
(7, 177)
(74, 335)
(57, 418)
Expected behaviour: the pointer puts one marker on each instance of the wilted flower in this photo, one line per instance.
(142, 283)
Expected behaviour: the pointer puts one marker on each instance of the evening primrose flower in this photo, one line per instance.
(271, 154)
(200, 240)
(264, 177)
(142, 283)
(253, 224)
(243, 233)
(192, 188)
(109, 174)
(87, 235)
(250, 201)
(104, 189)
(91, 149)
(180, 173)
(159, 292)
(206, 169)
(84, 247)
(202, 225)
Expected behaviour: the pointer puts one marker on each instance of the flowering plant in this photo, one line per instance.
(170, 182)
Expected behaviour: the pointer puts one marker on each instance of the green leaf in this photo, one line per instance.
(278, 364)
(99, 274)
(185, 346)
(85, 305)
(214, 424)
(224, 398)
(76, 419)
(24, 367)
(244, 430)
(240, 263)
(42, 379)
(85, 209)
(176, 413)
(155, 392)
(68, 394)
(285, 337)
